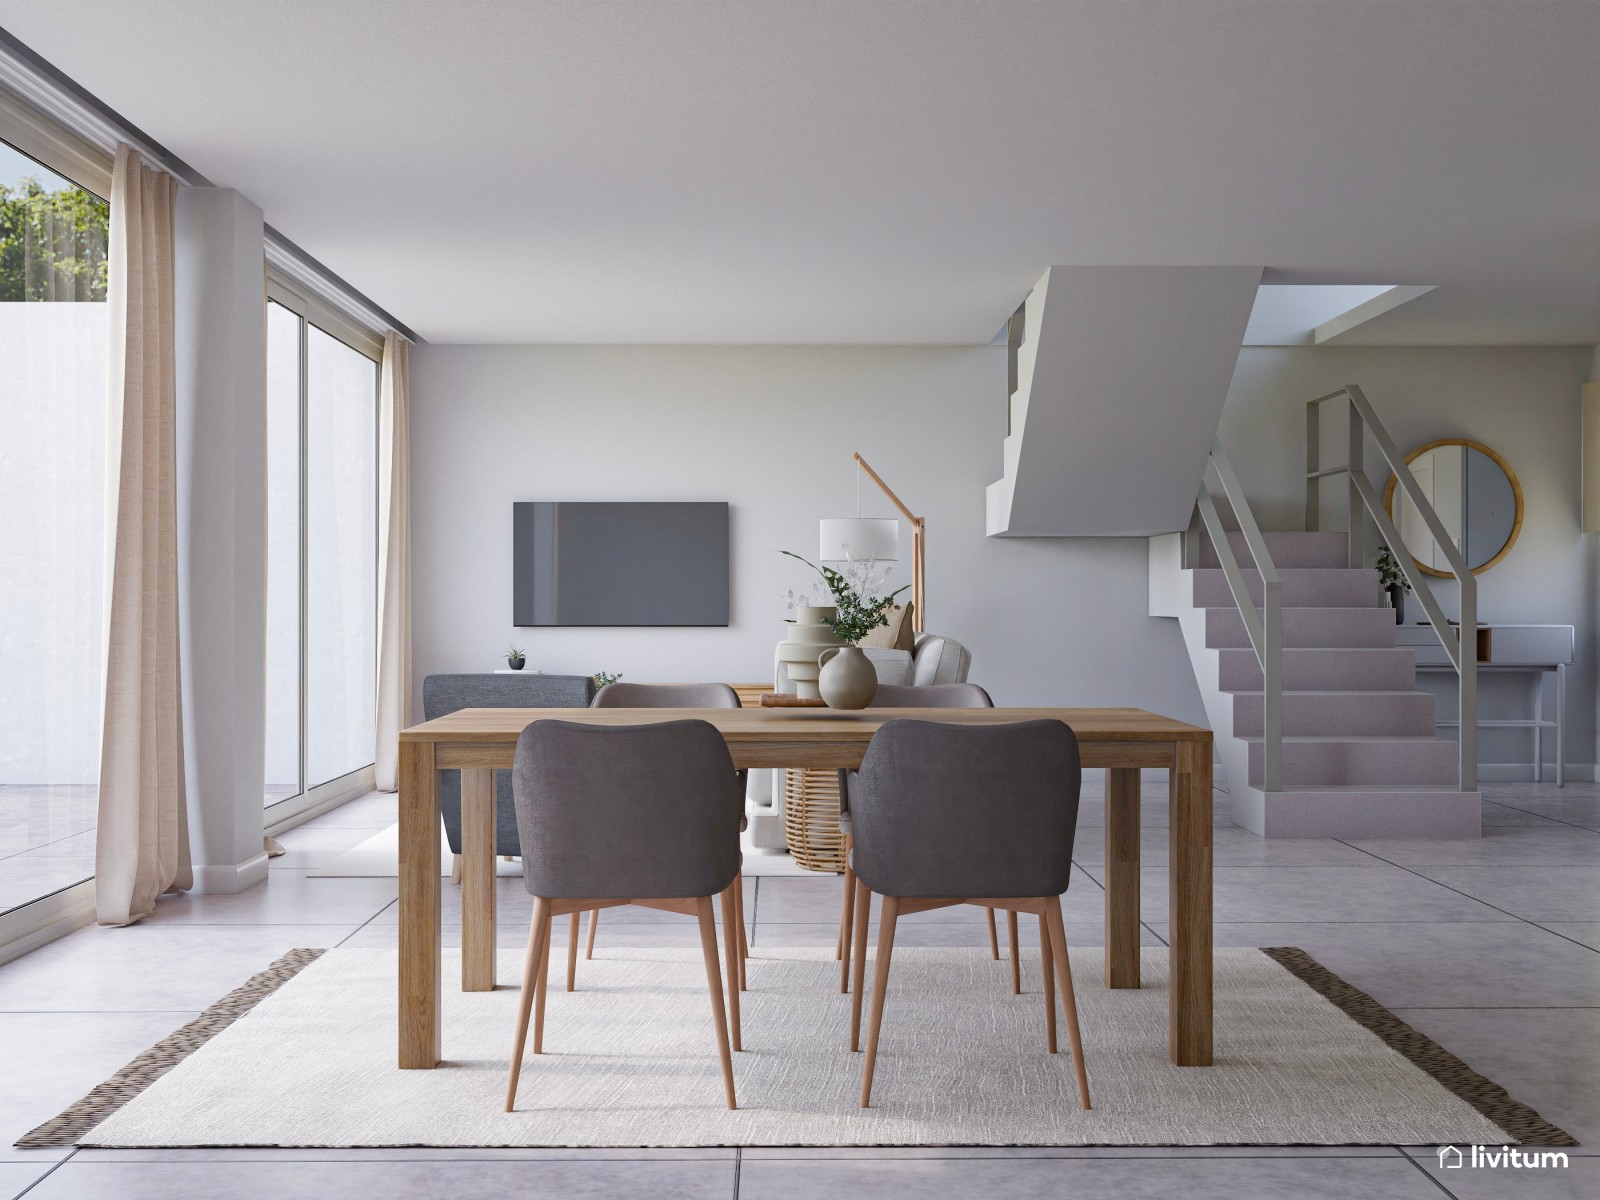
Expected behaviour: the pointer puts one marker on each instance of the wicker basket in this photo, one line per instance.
(811, 819)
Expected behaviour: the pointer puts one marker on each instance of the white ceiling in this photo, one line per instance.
(877, 170)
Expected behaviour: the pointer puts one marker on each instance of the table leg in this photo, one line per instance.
(477, 880)
(420, 994)
(1189, 987)
(1122, 877)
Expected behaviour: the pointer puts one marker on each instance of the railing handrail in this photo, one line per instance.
(1461, 647)
(1264, 629)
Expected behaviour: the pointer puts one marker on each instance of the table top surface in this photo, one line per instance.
(481, 725)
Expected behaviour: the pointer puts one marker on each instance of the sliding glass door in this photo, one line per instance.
(53, 429)
(322, 557)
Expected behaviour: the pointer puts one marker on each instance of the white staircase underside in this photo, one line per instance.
(1361, 758)
(1121, 378)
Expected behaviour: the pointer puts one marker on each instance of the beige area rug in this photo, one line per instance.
(379, 857)
(630, 1061)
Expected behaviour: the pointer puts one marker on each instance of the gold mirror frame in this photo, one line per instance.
(1516, 492)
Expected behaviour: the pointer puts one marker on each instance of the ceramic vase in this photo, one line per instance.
(809, 635)
(847, 678)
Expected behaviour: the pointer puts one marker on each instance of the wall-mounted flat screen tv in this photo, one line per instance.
(611, 563)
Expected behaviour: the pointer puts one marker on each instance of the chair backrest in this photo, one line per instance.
(666, 695)
(445, 694)
(619, 812)
(966, 810)
(941, 695)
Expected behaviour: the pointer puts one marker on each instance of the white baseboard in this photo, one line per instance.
(45, 920)
(226, 879)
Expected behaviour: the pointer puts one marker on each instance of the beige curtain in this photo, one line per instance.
(394, 566)
(142, 845)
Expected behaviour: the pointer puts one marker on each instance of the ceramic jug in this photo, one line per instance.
(848, 679)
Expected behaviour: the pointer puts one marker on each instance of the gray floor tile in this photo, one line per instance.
(316, 845)
(1547, 1058)
(286, 897)
(1379, 892)
(1216, 1178)
(401, 1154)
(52, 1060)
(1501, 845)
(1587, 932)
(275, 1179)
(1489, 964)
(1230, 847)
(1128, 1153)
(1579, 1180)
(16, 1177)
(150, 968)
(1573, 808)
(1546, 893)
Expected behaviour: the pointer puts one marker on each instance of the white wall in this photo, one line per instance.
(769, 429)
(1523, 402)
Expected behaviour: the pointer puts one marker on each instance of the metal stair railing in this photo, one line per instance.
(1362, 493)
(1264, 628)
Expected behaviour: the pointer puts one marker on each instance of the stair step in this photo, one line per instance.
(1309, 627)
(1338, 714)
(1417, 810)
(1303, 587)
(1289, 548)
(1397, 762)
(1322, 669)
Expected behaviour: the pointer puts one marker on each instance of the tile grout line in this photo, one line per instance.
(1529, 812)
(56, 1167)
(1428, 1175)
(738, 1164)
(1469, 896)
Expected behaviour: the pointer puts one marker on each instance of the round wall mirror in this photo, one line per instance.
(1478, 499)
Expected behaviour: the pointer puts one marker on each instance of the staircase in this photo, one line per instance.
(1360, 755)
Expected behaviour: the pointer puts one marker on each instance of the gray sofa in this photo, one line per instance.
(445, 694)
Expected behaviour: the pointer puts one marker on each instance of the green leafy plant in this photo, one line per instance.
(1389, 573)
(602, 678)
(858, 615)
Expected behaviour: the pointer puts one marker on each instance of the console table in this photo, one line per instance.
(1535, 650)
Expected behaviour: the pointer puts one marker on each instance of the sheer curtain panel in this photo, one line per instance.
(143, 843)
(394, 572)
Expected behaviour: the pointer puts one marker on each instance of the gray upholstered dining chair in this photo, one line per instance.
(965, 814)
(942, 695)
(671, 791)
(663, 695)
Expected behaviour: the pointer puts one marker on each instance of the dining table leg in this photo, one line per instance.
(1122, 877)
(477, 880)
(420, 994)
(1189, 911)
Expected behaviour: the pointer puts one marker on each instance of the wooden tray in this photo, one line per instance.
(784, 700)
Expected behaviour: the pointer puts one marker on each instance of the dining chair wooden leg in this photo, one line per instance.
(847, 912)
(994, 936)
(708, 949)
(1016, 960)
(455, 869)
(594, 923)
(1058, 936)
(572, 953)
(880, 988)
(529, 966)
(744, 938)
(542, 984)
(730, 944)
(858, 955)
(1049, 959)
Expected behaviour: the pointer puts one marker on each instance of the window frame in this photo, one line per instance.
(312, 310)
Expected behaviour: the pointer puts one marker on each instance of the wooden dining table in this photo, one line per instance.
(1122, 741)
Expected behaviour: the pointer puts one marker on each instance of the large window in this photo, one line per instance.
(322, 551)
(52, 525)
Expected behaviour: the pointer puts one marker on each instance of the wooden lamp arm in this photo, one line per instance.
(918, 533)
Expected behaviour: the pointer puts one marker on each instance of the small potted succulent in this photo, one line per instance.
(516, 659)
(1393, 581)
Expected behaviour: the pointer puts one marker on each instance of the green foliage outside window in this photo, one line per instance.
(52, 243)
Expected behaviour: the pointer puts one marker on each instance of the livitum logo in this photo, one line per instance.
(1452, 1158)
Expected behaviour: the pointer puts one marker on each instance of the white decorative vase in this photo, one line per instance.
(809, 635)
(847, 679)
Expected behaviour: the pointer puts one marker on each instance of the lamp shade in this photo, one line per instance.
(859, 537)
